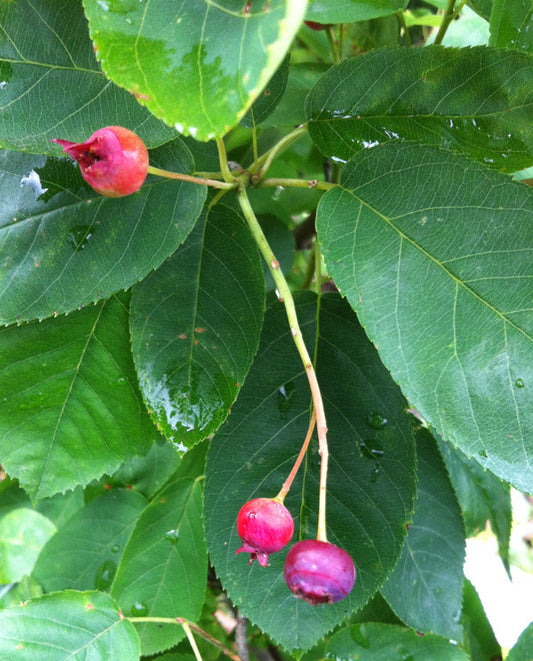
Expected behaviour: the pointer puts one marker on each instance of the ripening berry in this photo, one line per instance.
(265, 526)
(317, 26)
(113, 161)
(319, 572)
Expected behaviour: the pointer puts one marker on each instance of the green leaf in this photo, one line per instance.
(62, 249)
(195, 327)
(51, 85)
(17, 593)
(71, 408)
(371, 467)
(483, 497)
(67, 625)
(163, 570)
(23, 533)
(451, 318)
(472, 100)
(84, 553)
(425, 587)
(197, 66)
(270, 97)
(511, 24)
(347, 11)
(383, 642)
(478, 637)
(482, 7)
(521, 651)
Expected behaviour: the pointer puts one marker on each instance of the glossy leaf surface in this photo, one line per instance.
(71, 408)
(64, 246)
(371, 469)
(195, 327)
(163, 570)
(382, 642)
(425, 588)
(67, 625)
(434, 253)
(84, 553)
(51, 85)
(475, 101)
(177, 57)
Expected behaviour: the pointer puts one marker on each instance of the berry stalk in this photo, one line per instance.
(285, 295)
(290, 479)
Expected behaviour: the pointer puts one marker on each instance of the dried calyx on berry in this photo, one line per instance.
(113, 161)
(265, 526)
(319, 572)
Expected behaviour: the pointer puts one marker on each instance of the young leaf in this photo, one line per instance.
(426, 585)
(84, 553)
(382, 642)
(472, 100)
(371, 469)
(163, 570)
(71, 408)
(62, 249)
(51, 85)
(69, 625)
(197, 66)
(434, 252)
(195, 327)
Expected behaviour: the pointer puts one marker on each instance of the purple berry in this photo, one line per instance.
(265, 526)
(319, 572)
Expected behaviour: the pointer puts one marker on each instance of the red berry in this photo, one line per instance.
(265, 526)
(317, 26)
(113, 161)
(319, 572)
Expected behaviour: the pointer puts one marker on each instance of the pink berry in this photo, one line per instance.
(113, 161)
(319, 572)
(265, 526)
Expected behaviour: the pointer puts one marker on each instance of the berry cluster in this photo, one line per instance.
(316, 571)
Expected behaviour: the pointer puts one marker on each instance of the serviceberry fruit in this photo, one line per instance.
(113, 161)
(319, 572)
(265, 526)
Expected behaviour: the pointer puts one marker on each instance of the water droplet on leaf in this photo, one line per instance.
(104, 575)
(285, 395)
(519, 383)
(359, 635)
(376, 420)
(79, 236)
(139, 609)
(172, 535)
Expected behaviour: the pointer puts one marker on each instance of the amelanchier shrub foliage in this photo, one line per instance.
(274, 370)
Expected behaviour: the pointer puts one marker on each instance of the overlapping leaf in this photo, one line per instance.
(67, 625)
(84, 553)
(435, 254)
(346, 11)
(163, 570)
(64, 246)
(425, 588)
(196, 65)
(511, 24)
(195, 327)
(478, 636)
(71, 409)
(371, 470)
(51, 85)
(476, 101)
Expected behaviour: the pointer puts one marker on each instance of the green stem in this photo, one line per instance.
(295, 183)
(285, 296)
(223, 160)
(192, 642)
(449, 14)
(403, 26)
(264, 162)
(187, 177)
(332, 46)
(181, 621)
